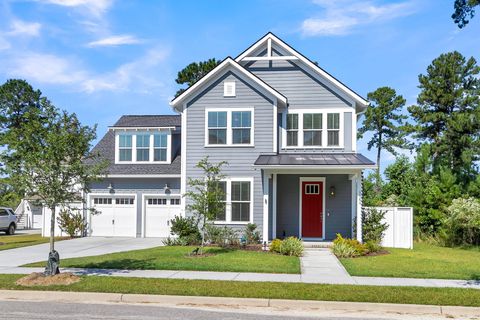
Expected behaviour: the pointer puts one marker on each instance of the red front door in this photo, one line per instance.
(312, 209)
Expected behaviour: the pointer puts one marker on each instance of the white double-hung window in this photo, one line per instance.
(238, 199)
(125, 147)
(143, 147)
(333, 129)
(160, 145)
(312, 129)
(229, 127)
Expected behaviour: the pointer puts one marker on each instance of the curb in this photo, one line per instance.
(199, 301)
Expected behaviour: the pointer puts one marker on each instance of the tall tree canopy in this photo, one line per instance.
(464, 11)
(447, 113)
(44, 150)
(384, 120)
(194, 72)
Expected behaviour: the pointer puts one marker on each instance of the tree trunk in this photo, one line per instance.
(52, 230)
(378, 181)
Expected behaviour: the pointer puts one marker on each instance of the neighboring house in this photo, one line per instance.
(287, 129)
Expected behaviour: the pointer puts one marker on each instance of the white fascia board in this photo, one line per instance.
(314, 167)
(227, 62)
(142, 128)
(141, 176)
(361, 101)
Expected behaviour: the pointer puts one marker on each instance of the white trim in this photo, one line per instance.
(141, 128)
(275, 126)
(354, 133)
(310, 64)
(183, 164)
(229, 127)
(113, 196)
(232, 85)
(151, 153)
(324, 112)
(300, 189)
(266, 187)
(227, 62)
(359, 208)
(270, 58)
(317, 167)
(142, 176)
(228, 202)
(274, 206)
(144, 207)
(269, 47)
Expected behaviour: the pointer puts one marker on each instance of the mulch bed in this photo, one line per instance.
(378, 253)
(39, 279)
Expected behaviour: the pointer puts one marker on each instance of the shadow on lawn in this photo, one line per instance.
(122, 264)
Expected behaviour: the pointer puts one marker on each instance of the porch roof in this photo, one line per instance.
(316, 160)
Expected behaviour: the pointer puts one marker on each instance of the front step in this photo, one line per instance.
(317, 245)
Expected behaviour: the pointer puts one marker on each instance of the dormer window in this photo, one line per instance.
(143, 147)
(125, 147)
(229, 89)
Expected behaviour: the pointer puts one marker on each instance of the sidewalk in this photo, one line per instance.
(319, 266)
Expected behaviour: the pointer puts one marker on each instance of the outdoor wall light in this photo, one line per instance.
(166, 188)
(110, 188)
(332, 191)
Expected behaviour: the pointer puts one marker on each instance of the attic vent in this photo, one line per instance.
(229, 89)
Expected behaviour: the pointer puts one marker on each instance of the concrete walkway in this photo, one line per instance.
(318, 266)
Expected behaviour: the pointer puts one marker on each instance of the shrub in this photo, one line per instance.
(72, 223)
(275, 245)
(292, 246)
(186, 229)
(372, 246)
(372, 227)
(251, 235)
(222, 236)
(347, 248)
(463, 222)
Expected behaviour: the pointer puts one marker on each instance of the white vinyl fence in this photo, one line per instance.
(399, 233)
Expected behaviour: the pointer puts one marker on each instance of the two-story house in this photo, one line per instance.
(287, 129)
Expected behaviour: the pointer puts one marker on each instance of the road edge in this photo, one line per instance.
(201, 301)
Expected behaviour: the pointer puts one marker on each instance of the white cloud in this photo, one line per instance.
(19, 27)
(4, 44)
(45, 68)
(140, 75)
(137, 75)
(344, 16)
(115, 41)
(95, 7)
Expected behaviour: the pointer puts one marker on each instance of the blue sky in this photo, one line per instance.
(104, 58)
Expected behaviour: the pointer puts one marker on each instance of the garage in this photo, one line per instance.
(159, 210)
(116, 216)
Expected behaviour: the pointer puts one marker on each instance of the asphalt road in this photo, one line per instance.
(16, 310)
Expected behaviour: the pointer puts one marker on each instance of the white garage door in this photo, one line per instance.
(158, 213)
(116, 217)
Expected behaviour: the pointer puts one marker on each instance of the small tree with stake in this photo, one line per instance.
(206, 194)
(45, 152)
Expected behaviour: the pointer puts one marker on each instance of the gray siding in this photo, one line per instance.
(348, 143)
(338, 209)
(137, 186)
(240, 159)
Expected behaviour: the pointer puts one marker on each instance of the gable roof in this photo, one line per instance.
(224, 64)
(271, 37)
(148, 121)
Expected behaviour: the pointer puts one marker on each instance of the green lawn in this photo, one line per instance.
(176, 258)
(298, 291)
(424, 261)
(17, 241)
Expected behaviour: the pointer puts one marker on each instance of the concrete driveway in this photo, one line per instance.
(81, 247)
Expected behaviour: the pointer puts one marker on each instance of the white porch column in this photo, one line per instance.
(358, 180)
(274, 206)
(265, 206)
